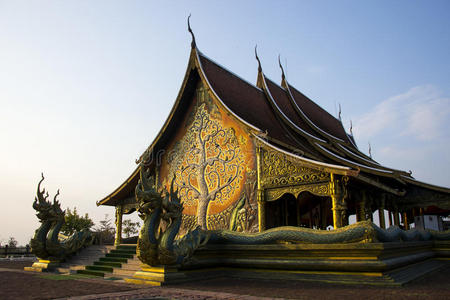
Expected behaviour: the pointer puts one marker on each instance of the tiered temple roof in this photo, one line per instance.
(285, 119)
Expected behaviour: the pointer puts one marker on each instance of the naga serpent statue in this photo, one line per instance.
(45, 244)
(159, 247)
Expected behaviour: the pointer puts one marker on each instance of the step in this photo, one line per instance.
(114, 259)
(108, 263)
(100, 268)
(124, 272)
(91, 272)
(122, 251)
(414, 271)
(126, 247)
(119, 255)
(136, 267)
(62, 270)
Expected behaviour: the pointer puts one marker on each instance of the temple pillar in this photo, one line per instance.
(405, 220)
(381, 213)
(367, 211)
(396, 217)
(261, 211)
(338, 204)
(361, 207)
(119, 212)
(359, 211)
(260, 193)
(299, 216)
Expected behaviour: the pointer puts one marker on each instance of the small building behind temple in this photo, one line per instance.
(251, 157)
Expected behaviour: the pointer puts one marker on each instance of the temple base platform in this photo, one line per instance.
(157, 275)
(391, 264)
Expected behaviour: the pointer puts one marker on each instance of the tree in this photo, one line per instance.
(207, 161)
(130, 228)
(75, 222)
(12, 242)
(106, 230)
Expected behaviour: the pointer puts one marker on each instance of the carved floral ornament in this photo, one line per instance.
(315, 189)
(280, 170)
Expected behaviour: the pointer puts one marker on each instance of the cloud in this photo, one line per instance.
(409, 131)
(420, 113)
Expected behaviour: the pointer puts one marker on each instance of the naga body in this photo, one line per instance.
(45, 244)
(159, 247)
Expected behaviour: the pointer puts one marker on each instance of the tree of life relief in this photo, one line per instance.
(208, 162)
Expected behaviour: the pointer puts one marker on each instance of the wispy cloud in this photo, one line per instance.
(420, 113)
(410, 131)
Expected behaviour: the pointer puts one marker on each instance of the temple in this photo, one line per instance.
(248, 158)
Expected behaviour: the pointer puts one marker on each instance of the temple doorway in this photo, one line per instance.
(307, 210)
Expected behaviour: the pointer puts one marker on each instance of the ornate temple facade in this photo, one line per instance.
(247, 158)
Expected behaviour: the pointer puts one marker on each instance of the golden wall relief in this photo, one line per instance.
(212, 158)
(279, 169)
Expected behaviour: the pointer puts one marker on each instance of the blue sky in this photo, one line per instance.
(86, 85)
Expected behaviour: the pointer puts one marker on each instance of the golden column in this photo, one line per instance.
(405, 220)
(119, 212)
(337, 199)
(260, 193)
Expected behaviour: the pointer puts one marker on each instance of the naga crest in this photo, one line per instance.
(147, 196)
(171, 204)
(40, 204)
(56, 212)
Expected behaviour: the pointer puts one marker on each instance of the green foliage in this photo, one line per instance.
(12, 242)
(75, 222)
(106, 230)
(130, 228)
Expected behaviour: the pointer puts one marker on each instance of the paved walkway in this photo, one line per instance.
(168, 293)
(18, 284)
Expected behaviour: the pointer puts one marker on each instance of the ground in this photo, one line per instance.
(18, 284)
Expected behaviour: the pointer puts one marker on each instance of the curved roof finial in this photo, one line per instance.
(193, 44)
(339, 115)
(282, 70)
(351, 127)
(257, 58)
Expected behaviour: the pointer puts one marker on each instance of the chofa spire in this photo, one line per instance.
(193, 44)
(283, 77)
(257, 58)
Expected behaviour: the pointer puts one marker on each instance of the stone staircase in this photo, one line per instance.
(85, 257)
(118, 263)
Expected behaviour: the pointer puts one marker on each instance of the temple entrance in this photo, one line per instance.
(314, 211)
(307, 210)
(281, 212)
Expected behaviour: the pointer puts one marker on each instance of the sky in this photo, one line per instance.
(85, 86)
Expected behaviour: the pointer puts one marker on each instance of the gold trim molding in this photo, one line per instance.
(278, 170)
(322, 189)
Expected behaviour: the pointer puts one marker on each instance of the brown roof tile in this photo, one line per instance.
(318, 115)
(247, 101)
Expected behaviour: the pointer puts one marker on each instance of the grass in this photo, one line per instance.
(112, 278)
